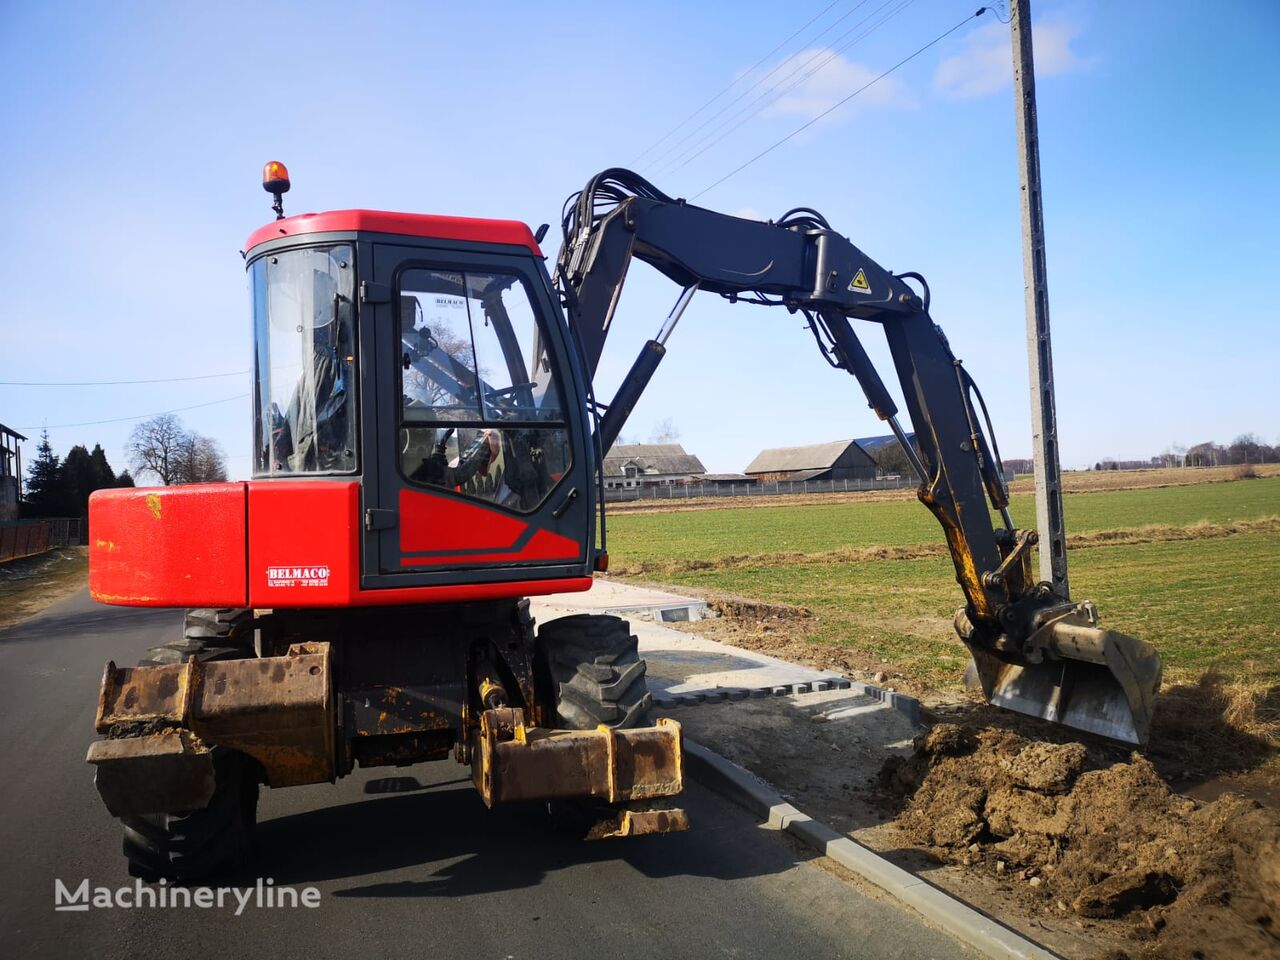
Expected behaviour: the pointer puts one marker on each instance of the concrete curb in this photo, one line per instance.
(958, 919)
(904, 704)
(663, 698)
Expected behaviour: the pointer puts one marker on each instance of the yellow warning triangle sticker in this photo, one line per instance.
(859, 282)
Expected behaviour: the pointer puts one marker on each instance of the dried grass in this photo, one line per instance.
(1253, 710)
(1215, 725)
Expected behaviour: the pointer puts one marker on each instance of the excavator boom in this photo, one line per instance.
(1034, 651)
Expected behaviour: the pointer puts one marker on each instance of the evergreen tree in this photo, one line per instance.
(44, 481)
(77, 481)
(125, 480)
(103, 475)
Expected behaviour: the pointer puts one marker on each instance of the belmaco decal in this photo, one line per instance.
(316, 576)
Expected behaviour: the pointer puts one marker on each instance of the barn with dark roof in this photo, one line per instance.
(837, 460)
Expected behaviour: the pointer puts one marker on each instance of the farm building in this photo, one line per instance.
(10, 472)
(837, 460)
(650, 464)
(726, 479)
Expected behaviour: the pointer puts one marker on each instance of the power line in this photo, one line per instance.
(117, 383)
(774, 93)
(676, 147)
(141, 416)
(736, 81)
(674, 158)
(805, 126)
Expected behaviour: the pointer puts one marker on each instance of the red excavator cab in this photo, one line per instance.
(419, 434)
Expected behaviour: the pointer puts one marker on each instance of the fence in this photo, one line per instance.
(687, 491)
(23, 538)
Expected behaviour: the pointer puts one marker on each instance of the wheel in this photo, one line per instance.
(210, 634)
(595, 672)
(591, 666)
(192, 844)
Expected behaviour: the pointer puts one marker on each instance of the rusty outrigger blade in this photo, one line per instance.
(1075, 673)
(636, 767)
(160, 722)
(640, 820)
(154, 773)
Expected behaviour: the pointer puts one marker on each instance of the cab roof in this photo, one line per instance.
(511, 232)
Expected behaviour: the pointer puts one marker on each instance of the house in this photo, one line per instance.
(650, 464)
(837, 460)
(10, 472)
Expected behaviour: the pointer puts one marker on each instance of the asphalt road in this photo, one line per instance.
(408, 861)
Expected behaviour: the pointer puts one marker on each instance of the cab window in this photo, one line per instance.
(481, 412)
(304, 362)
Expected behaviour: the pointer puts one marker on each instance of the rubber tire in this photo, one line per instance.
(210, 634)
(194, 844)
(592, 668)
(595, 671)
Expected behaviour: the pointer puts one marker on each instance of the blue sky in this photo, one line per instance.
(135, 135)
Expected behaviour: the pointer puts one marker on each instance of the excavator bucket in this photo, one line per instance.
(1075, 673)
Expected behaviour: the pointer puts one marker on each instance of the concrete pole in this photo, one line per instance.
(1044, 418)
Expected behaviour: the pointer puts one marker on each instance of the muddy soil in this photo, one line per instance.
(1075, 836)
(1215, 739)
(1211, 734)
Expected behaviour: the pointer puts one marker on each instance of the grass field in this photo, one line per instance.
(1206, 591)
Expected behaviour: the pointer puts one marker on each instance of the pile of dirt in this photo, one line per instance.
(762, 613)
(1112, 844)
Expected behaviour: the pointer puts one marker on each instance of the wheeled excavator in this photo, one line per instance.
(427, 448)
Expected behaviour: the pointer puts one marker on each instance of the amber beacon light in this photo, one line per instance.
(275, 180)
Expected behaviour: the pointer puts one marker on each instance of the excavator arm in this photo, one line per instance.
(1034, 651)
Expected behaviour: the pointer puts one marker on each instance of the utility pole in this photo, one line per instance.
(1044, 417)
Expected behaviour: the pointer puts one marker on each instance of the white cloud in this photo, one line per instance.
(985, 64)
(837, 78)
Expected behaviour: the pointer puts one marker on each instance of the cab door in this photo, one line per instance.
(481, 472)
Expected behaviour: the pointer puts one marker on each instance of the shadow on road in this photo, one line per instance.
(463, 849)
(99, 621)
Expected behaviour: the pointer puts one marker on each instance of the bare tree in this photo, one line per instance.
(201, 460)
(1207, 454)
(1245, 449)
(1019, 465)
(665, 432)
(156, 447)
(1175, 455)
(171, 453)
